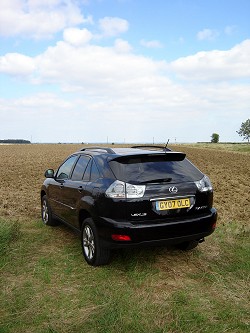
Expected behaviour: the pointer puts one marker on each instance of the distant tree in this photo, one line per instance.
(245, 130)
(215, 138)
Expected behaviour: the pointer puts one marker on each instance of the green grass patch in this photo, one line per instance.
(9, 233)
(48, 288)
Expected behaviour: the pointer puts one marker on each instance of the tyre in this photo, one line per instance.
(46, 213)
(189, 245)
(93, 252)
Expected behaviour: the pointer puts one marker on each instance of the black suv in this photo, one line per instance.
(127, 197)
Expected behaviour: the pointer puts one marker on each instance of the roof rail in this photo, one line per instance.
(164, 148)
(108, 150)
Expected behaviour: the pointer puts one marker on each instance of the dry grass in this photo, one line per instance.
(22, 168)
(230, 174)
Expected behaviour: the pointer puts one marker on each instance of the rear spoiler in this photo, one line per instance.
(164, 156)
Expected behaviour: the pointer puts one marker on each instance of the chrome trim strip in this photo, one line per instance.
(63, 204)
(173, 198)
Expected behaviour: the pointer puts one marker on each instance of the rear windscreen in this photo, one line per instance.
(154, 169)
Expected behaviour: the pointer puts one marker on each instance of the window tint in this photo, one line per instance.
(64, 170)
(94, 172)
(143, 170)
(86, 176)
(80, 168)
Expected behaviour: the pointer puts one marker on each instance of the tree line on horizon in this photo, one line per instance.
(15, 141)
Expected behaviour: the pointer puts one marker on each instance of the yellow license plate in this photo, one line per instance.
(173, 204)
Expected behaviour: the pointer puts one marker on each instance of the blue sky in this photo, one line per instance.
(126, 70)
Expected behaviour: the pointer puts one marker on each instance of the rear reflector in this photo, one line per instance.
(214, 226)
(121, 238)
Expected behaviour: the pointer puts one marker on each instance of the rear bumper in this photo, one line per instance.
(158, 232)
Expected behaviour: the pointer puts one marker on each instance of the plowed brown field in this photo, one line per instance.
(22, 173)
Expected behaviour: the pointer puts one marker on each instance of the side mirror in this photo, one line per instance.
(49, 173)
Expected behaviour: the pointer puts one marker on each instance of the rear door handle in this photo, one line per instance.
(80, 189)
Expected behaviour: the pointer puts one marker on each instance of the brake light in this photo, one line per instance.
(122, 190)
(204, 184)
(121, 238)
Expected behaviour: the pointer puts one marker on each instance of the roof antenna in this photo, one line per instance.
(166, 144)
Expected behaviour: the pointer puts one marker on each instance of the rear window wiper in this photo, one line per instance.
(159, 180)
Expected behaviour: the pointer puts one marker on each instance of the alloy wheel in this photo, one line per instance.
(88, 242)
(45, 212)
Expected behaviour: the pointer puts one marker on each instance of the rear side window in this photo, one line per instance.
(94, 172)
(80, 168)
(86, 176)
(154, 168)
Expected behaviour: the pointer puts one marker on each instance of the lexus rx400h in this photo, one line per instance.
(129, 197)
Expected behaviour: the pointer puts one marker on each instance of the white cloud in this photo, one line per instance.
(113, 26)
(34, 4)
(76, 36)
(122, 46)
(96, 70)
(215, 65)
(76, 63)
(43, 101)
(16, 64)
(207, 34)
(110, 86)
(151, 43)
(33, 116)
(37, 18)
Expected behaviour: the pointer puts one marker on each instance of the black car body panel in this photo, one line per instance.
(168, 231)
(149, 196)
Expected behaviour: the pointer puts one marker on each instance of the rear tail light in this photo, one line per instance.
(204, 185)
(121, 238)
(122, 190)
